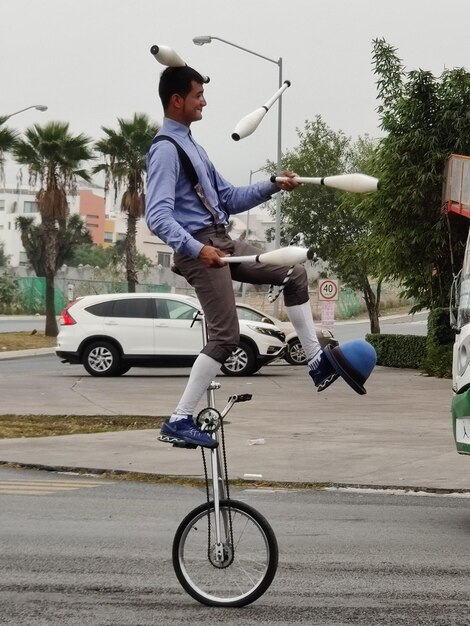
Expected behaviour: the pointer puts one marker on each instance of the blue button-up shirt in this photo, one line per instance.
(173, 211)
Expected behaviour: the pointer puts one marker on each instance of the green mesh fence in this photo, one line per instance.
(33, 291)
(158, 288)
(348, 304)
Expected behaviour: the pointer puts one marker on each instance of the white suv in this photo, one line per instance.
(111, 333)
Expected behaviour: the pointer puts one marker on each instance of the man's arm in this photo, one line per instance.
(238, 199)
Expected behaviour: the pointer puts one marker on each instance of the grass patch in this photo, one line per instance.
(15, 426)
(26, 341)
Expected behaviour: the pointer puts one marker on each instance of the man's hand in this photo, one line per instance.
(290, 184)
(211, 256)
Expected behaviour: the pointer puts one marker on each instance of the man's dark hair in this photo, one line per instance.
(177, 80)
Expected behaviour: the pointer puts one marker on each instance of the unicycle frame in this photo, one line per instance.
(235, 560)
(219, 485)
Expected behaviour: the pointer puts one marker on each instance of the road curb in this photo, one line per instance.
(19, 354)
(260, 484)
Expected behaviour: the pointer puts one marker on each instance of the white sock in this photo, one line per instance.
(204, 370)
(301, 318)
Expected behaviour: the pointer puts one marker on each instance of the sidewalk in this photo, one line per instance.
(398, 435)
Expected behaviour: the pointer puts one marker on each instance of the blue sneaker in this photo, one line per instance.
(323, 373)
(185, 433)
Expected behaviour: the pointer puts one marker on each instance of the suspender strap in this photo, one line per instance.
(185, 161)
(190, 172)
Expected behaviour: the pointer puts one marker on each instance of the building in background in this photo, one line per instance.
(92, 208)
(106, 224)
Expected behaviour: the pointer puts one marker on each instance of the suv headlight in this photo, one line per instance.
(272, 332)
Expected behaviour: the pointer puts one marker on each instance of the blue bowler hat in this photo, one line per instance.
(354, 361)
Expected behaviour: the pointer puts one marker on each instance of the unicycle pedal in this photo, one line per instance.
(244, 397)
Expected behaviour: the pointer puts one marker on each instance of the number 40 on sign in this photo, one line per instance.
(328, 290)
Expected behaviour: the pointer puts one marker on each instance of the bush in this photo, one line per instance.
(440, 342)
(439, 330)
(11, 298)
(398, 350)
(432, 354)
(438, 361)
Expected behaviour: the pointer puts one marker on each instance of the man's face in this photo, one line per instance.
(193, 104)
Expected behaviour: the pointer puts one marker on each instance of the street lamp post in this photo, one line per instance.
(203, 39)
(38, 107)
(248, 227)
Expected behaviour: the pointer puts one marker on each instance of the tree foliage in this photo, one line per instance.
(112, 257)
(72, 232)
(7, 141)
(4, 257)
(425, 118)
(330, 221)
(125, 162)
(54, 157)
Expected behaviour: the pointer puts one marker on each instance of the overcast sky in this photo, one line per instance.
(89, 62)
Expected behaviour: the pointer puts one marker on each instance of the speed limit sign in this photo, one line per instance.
(328, 290)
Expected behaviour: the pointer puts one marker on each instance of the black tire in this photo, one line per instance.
(242, 361)
(101, 358)
(249, 569)
(295, 354)
(123, 369)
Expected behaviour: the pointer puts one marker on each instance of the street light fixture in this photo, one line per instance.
(38, 107)
(203, 39)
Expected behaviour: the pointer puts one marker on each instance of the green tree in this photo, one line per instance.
(89, 254)
(330, 222)
(4, 257)
(70, 233)
(125, 154)
(11, 299)
(54, 160)
(425, 118)
(110, 258)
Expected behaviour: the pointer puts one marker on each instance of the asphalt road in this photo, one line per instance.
(80, 550)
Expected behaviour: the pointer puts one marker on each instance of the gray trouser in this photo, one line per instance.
(214, 290)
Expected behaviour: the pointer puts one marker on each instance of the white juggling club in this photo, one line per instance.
(356, 183)
(167, 56)
(250, 122)
(282, 256)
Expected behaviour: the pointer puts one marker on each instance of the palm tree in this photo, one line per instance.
(125, 155)
(72, 232)
(53, 157)
(7, 140)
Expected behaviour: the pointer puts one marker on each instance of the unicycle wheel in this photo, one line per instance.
(248, 555)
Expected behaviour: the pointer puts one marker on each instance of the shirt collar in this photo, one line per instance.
(175, 128)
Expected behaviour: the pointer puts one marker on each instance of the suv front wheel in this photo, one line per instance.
(242, 361)
(295, 354)
(102, 359)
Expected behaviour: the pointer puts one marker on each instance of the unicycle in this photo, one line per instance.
(225, 553)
